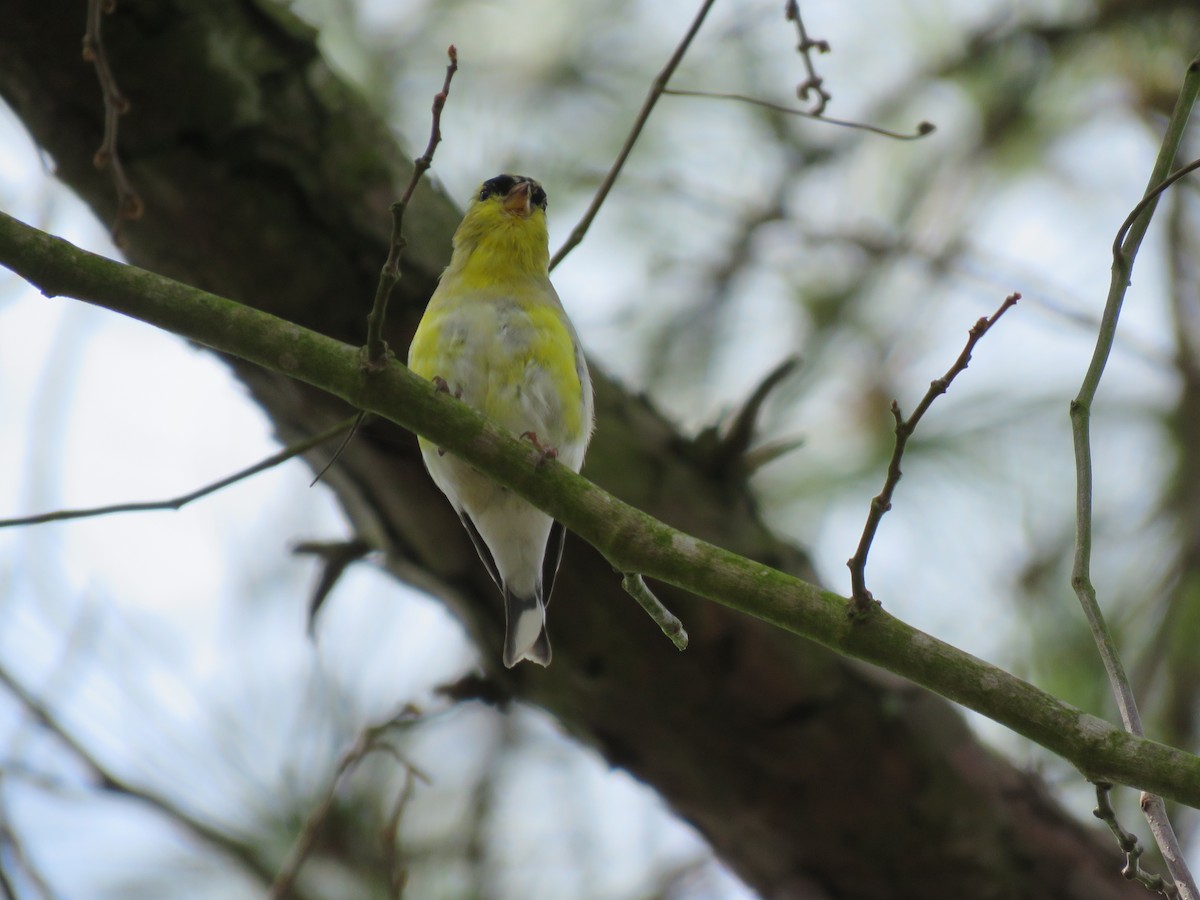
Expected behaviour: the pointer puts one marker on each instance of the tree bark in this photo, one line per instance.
(266, 179)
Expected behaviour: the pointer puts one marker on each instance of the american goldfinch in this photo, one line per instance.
(496, 336)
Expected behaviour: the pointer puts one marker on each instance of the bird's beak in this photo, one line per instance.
(516, 201)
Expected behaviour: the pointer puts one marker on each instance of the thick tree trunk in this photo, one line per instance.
(267, 179)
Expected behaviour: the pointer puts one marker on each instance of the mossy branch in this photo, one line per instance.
(630, 539)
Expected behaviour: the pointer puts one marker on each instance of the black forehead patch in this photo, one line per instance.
(502, 184)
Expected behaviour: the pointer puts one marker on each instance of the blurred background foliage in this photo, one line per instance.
(736, 237)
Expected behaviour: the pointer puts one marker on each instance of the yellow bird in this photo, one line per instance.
(496, 336)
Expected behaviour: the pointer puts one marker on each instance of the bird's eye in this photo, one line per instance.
(501, 185)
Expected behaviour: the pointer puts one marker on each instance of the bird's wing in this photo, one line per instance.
(481, 548)
(554, 552)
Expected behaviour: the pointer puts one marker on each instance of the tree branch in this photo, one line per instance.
(630, 539)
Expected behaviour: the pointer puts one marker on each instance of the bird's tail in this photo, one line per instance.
(525, 630)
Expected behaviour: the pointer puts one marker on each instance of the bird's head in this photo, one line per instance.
(505, 227)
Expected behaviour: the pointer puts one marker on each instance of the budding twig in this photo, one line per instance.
(129, 204)
(922, 129)
(814, 84)
(861, 600)
(377, 349)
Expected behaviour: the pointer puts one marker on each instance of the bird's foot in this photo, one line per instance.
(444, 387)
(544, 453)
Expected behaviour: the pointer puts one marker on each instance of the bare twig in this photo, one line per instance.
(741, 429)
(814, 84)
(764, 454)
(666, 620)
(1125, 248)
(369, 740)
(335, 557)
(732, 443)
(1155, 812)
(358, 420)
(129, 203)
(657, 87)
(1128, 843)
(377, 349)
(282, 456)
(922, 129)
(861, 601)
(397, 873)
(1151, 197)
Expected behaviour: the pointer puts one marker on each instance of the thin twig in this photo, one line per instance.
(129, 203)
(657, 87)
(764, 454)
(861, 601)
(1151, 197)
(397, 873)
(369, 740)
(282, 456)
(377, 349)
(1128, 843)
(923, 128)
(733, 441)
(806, 45)
(358, 420)
(1125, 249)
(335, 557)
(666, 620)
(741, 429)
(1154, 809)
